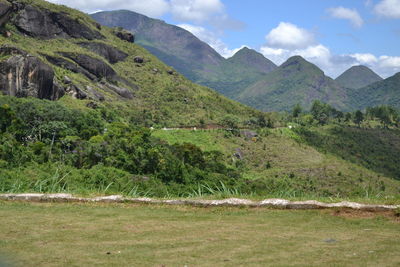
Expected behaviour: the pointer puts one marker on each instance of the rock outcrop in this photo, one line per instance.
(5, 10)
(24, 75)
(45, 24)
(68, 65)
(124, 35)
(112, 54)
(123, 92)
(95, 66)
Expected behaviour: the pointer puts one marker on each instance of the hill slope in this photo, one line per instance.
(295, 81)
(386, 92)
(67, 53)
(190, 56)
(357, 77)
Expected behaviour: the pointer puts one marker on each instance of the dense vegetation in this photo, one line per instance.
(48, 147)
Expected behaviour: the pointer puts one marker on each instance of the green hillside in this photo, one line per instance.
(357, 77)
(294, 82)
(138, 85)
(385, 92)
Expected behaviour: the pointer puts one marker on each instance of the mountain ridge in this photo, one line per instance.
(296, 81)
(357, 77)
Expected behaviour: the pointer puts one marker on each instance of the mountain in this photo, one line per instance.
(296, 81)
(189, 55)
(54, 52)
(173, 45)
(357, 77)
(238, 72)
(385, 92)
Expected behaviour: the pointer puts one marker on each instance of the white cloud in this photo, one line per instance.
(211, 39)
(349, 14)
(196, 10)
(388, 9)
(289, 36)
(317, 54)
(152, 8)
(333, 65)
(365, 59)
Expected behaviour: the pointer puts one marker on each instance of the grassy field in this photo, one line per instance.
(133, 235)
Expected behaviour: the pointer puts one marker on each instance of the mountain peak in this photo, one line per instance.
(357, 77)
(299, 64)
(295, 60)
(252, 59)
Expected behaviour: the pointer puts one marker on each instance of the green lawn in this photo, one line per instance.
(145, 235)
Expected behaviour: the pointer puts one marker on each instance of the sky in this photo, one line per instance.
(333, 34)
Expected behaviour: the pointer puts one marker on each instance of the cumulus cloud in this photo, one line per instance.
(211, 39)
(196, 10)
(388, 9)
(349, 14)
(289, 36)
(210, 12)
(317, 54)
(152, 8)
(320, 55)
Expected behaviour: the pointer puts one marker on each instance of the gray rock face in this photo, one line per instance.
(68, 65)
(124, 35)
(5, 10)
(46, 24)
(112, 54)
(23, 75)
(95, 66)
(123, 92)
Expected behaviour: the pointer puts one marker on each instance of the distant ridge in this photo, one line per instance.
(296, 81)
(357, 77)
(385, 92)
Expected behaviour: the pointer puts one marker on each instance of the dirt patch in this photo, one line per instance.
(365, 214)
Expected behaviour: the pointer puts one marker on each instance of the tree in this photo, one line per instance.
(387, 115)
(320, 112)
(347, 117)
(297, 110)
(231, 123)
(358, 117)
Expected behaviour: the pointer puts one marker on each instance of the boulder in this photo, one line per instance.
(95, 94)
(238, 154)
(249, 134)
(76, 92)
(95, 66)
(123, 92)
(46, 24)
(139, 60)
(24, 75)
(124, 35)
(112, 54)
(5, 10)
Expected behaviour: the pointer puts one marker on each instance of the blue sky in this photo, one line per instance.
(333, 34)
